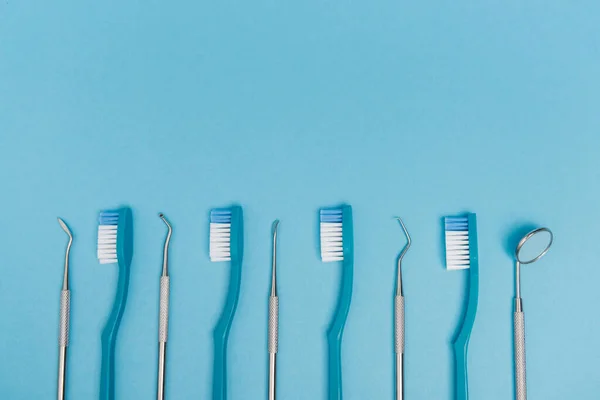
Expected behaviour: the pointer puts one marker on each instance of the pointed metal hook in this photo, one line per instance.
(274, 268)
(401, 257)
(165, 271)
(65, 228)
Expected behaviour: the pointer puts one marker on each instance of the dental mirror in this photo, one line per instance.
(531, 248)
(534, 245)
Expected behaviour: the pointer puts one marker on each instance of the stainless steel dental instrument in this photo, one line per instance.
(65, 310)
(399, 319)
(163, 322)
(531, 248)
(273, 319)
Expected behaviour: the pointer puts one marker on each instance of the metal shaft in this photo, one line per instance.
(518, 279)
(520, 363)
(399, 376)
(162, 355)
(273, 343)
(272, 375)
(63, 342)
(399, 345)
(519, 340)
(62, 370)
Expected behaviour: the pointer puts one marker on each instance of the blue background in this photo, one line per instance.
(418, 110)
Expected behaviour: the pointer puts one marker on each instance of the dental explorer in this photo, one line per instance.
(65, 310)
(526, 255)
(164, 313)
(273, 319)
(399, 319)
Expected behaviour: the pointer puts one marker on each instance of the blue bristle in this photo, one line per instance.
(332, 216)
(220, 216)
(454, 224)
(108, 218)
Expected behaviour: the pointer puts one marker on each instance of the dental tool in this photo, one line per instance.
(530, 249)
(65, 311)
(399, 319)
(273, 319)
(163, 319)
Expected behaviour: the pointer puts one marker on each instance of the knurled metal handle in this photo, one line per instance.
(65, 311)
(399, 324)
(520, 373)
(163, 322)
(273, 324)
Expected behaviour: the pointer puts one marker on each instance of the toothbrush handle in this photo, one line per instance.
(336, 331)
(399, 345)
(221, 332)
(273, 343)
(163, 325)
(335, 368)
(63, 340)
(520, 375)
(460, 367)
(109, 335)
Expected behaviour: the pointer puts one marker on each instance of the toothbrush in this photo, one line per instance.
(273, 320)
(226, 244)
(163, 318)
(461, 253)
(115, 246)
(337, 244)
(65, 310)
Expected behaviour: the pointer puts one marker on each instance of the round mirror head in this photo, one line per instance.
(534, 245)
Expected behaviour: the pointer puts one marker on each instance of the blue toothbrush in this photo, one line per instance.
(461, 253)
(226, 244)
(337, 244)
(115, 246)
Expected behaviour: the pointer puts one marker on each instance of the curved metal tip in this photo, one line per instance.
(274, 260)
(165, 271)
(405, 231)
(64, 227)
(274, 231)
(162, 216)
(401, 257)
(409, 241)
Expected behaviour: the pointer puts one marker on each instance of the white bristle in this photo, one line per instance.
(332, 246)
(220, 242)
(457, 244)
(107, 244)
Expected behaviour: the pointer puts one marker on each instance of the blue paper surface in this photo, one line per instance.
(417, 109)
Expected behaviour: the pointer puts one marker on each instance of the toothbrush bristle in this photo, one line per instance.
(457, 243)
(220, 235)
(107, 237)
(332, 246)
